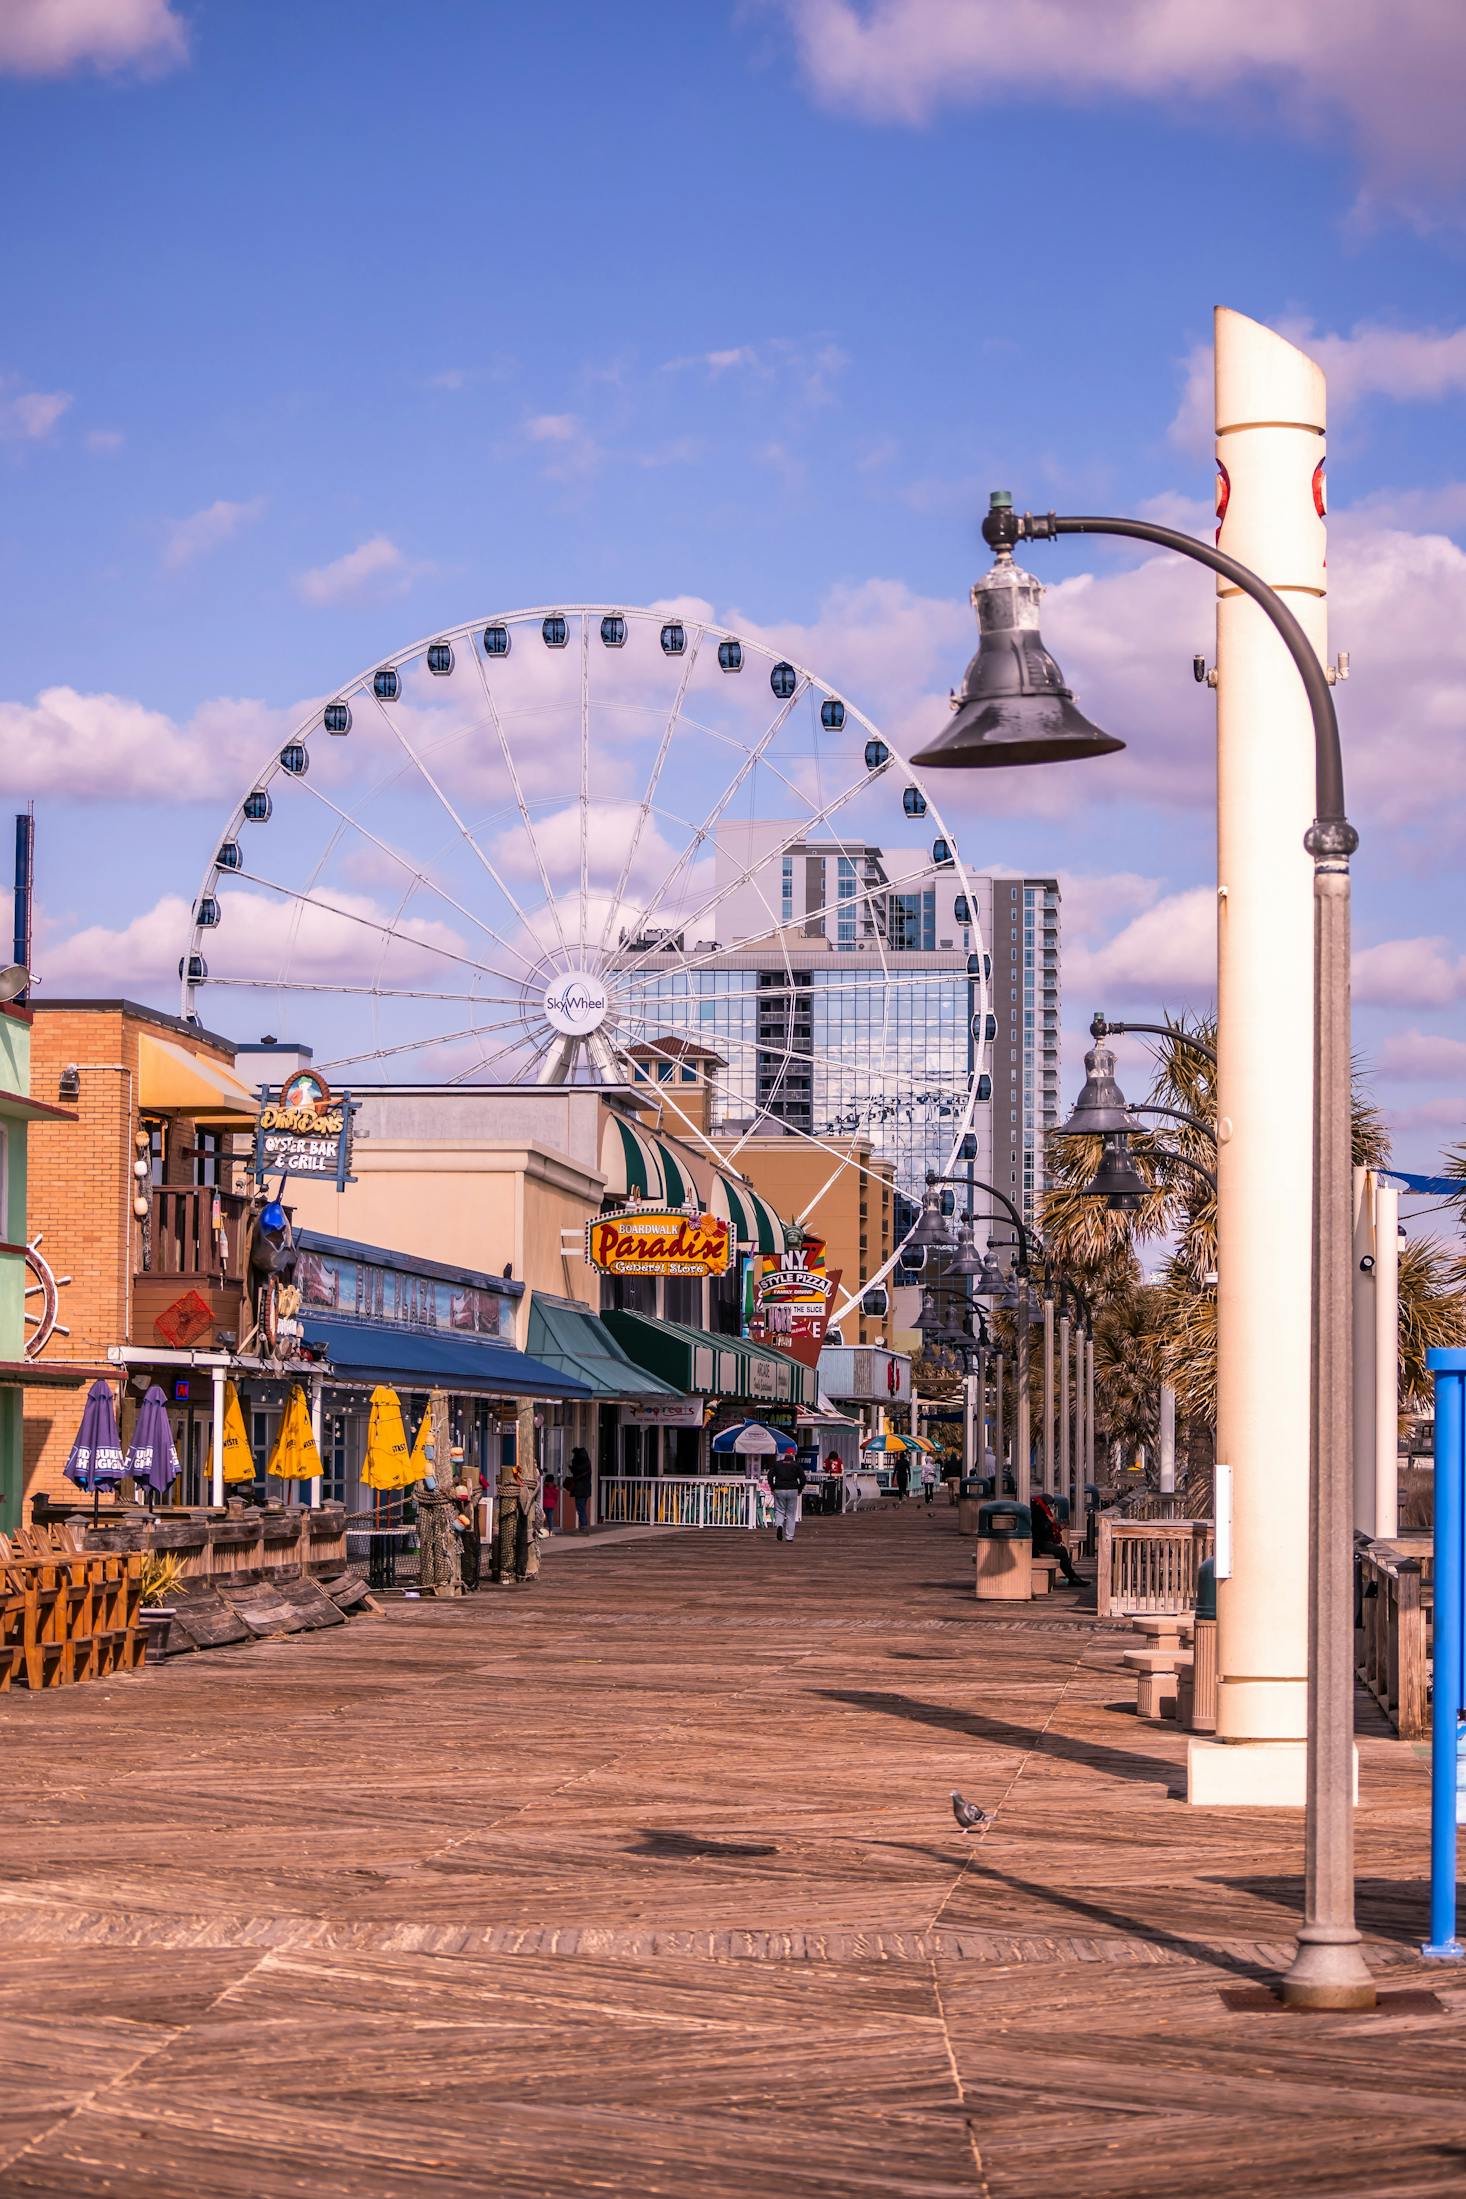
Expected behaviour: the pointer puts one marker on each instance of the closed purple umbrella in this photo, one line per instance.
(96, 1455)
(152, 1460)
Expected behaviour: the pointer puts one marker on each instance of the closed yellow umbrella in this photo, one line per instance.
(295, 1456)
(387, 1464)
(239, 1462)
(421, 1464)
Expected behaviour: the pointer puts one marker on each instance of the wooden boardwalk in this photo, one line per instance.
(644, 1882)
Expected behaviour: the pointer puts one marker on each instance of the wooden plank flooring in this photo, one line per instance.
(644, 1881)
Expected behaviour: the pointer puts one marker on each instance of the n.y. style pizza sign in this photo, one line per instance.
(658, 1240)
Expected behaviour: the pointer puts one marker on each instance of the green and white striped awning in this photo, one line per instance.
(754, 1223)
(638, 1165)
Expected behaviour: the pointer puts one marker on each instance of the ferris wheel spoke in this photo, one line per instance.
(524, 816)
(464, 829)
(420, 877)
(383, 992)
(584, 780)
(649, 797)
(810, 1138)
(513, 1046)
(304, 900)
(791, 924)
(711, 821)
(724, 892)
(419, 1045)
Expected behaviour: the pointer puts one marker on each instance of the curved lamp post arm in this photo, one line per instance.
(975, 1183)
(1102, 1026)
(1179, 1114)
(1198, 1168)
(1332, 834)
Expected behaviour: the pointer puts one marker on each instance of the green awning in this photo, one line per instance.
(577, 1342)
(691, 1360)
(716, 1366)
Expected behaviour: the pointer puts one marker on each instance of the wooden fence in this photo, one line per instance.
(278, 1539)
(1148, 1565)
(66, 1614)
(1392, 1638)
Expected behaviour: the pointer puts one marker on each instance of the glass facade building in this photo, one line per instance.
(854, 1013)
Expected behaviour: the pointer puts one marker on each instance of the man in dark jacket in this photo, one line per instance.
(786, 1479)
(582, 1481)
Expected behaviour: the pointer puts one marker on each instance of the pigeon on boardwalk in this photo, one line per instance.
(967, 1814)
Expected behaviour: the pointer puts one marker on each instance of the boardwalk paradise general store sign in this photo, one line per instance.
(658, 1240)
(303, 1131)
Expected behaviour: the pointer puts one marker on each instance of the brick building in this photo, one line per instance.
(157, 1105)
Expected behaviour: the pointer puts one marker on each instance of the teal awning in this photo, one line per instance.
(578, 1342)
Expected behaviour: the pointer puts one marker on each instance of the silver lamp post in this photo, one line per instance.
(1014, 708)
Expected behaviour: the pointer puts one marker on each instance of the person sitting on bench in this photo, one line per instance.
(1047, 1541)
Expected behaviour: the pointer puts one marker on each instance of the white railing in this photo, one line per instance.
(696, 1501)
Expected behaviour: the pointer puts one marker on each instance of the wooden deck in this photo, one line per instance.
(644, 1882)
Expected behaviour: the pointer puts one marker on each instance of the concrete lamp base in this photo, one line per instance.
(1250, 1775)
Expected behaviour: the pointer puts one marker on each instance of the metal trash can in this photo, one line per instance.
(1004, 1552)
(969, 1496)
(1203, 1688)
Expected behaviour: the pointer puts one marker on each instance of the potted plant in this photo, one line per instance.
(162, 1576)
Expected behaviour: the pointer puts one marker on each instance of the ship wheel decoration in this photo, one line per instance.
(42, 1300)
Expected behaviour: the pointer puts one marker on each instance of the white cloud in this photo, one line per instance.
(571, 451)
(51, 37)
(104, 440)
(205, 530)
(1169, 952)
(1409, 973)
(95, 748)
(453, 378)
(373, 571)
(260, 935)
(1425, 1057)
(28, 415)
(1398, 75)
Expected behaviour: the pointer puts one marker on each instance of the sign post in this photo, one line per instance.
(1449, 1371)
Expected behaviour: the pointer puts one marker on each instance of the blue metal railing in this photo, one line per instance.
(1448, 1368)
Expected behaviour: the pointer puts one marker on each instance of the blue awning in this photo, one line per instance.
(578, 1342)
(420, 1359)
(1436, 1187)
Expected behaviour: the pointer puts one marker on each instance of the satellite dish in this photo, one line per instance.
(14, 980)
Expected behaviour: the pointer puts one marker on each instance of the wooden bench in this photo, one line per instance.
(1042, 1572)
(1157, 1670)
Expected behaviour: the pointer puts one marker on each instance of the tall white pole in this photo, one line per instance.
(1386, 1359)
(1168, 1439)
(216, 1437)
(1364, 1295)
(1270, 447)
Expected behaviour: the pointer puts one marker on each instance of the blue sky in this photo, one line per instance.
(327, 326)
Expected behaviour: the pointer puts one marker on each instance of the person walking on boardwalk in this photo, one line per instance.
(582, 1481)
(928, 1475)
(786, 1479)
(901, 1475)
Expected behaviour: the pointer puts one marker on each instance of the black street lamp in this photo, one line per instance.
(1014, 708)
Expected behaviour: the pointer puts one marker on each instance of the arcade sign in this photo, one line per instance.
(301, 1130)
(659, 1240)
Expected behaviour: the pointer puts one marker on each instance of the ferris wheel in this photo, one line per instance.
(572, 844)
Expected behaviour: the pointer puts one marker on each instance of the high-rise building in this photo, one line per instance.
(841, 991)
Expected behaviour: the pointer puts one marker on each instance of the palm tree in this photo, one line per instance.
(1181, 1318)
